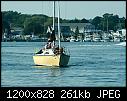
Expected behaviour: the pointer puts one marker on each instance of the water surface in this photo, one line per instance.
(92, 64)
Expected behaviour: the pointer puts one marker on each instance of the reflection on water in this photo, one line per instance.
(45, 67)
(52, 70)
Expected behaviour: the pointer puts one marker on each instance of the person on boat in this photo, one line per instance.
(49, 45)
(58, 50)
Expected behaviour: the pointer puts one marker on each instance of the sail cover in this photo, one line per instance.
(51, 34)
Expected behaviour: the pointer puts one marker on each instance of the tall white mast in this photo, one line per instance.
(59, 22)
(53, 15)
(53, 19)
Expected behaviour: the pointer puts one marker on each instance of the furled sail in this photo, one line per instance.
(51, 34)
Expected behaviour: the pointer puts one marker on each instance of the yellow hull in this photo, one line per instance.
(51, 60)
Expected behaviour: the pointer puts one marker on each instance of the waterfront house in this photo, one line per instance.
(16, 32)
(72, 27)
(68, 29)
(119, 35)
(122, 33)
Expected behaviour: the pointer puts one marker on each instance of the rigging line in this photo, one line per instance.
(42, 14)
(43, 18)
(42, 23)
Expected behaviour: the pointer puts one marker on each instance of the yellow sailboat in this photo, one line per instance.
(52, 55)
(51, 60)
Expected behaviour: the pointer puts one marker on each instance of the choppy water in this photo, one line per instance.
(91, 65)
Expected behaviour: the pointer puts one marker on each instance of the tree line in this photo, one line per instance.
(38, 23)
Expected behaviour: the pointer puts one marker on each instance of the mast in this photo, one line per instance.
(59, 22)
(53, 20)
(53, 15)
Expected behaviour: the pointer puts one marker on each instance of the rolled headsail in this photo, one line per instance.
(51, 34)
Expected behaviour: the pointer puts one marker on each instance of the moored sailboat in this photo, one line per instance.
(51, 54)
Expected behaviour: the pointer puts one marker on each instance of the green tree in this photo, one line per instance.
(5, 26)
(84, 20)
(121, 23)
(97, 22)
(39, 22)
(106, 19)
(33, 26)
(74, 21)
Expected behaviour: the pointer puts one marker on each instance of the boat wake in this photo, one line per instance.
(122, 44)
(94, 45)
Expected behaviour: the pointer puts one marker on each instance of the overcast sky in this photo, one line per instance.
(69, 9)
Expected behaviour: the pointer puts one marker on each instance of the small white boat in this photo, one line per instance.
(72, 40)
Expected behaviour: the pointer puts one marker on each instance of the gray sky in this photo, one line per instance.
(69, 9)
